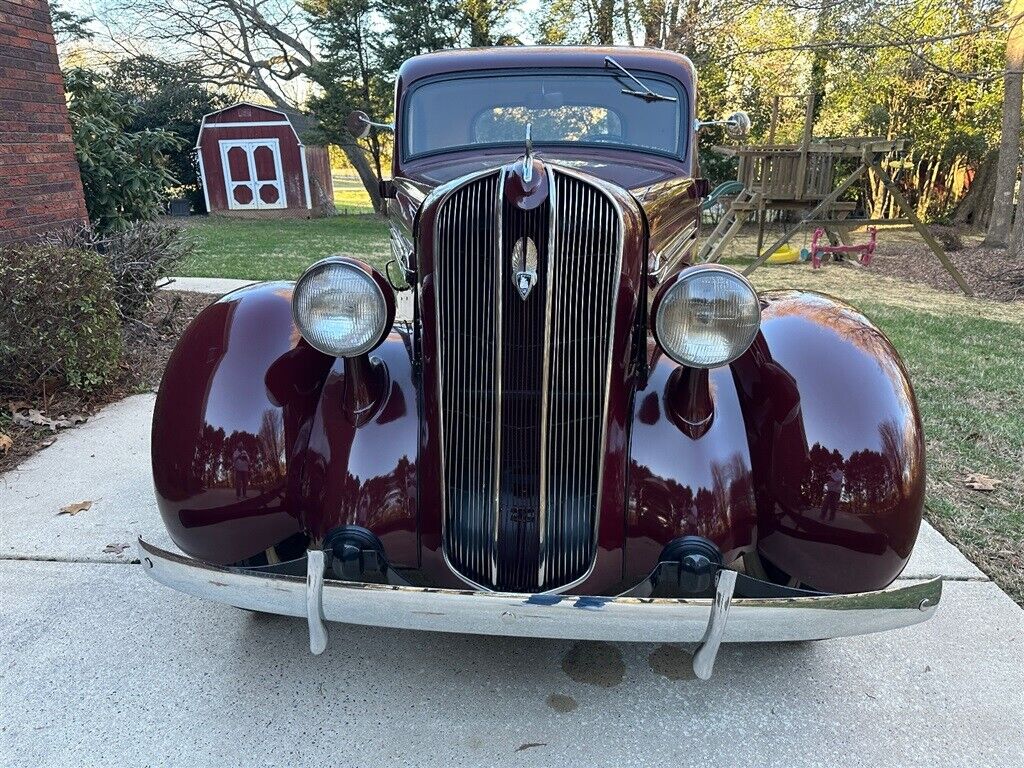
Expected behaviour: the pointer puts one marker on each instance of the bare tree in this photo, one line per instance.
(998, 234)
(264, 46)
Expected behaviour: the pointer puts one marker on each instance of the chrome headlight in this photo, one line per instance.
(341, 306)
(707, 317)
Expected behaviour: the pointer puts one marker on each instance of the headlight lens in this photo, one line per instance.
(339, 308)
(708, 317)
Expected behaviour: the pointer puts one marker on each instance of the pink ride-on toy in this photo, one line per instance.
(864, 252)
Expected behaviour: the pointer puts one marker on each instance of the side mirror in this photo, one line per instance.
(737, 125)
(359, 124)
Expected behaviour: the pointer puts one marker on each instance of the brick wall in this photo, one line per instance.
(40, 188)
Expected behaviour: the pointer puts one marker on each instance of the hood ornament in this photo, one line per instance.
(524, 266)
(528, 156)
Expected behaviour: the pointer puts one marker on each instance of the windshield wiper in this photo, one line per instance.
(645, 93)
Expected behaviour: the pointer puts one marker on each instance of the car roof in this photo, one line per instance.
(519, 57)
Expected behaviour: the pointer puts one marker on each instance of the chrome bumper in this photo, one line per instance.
(618, 619)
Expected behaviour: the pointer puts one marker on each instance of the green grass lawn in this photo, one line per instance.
(965, 356)
(279, 249)
(350, 195)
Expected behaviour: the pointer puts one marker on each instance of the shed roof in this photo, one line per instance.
(296, 120)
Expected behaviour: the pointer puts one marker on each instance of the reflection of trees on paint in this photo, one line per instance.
(853, 328)
(867, 482)
(384, 500)
(215, 454)
(714, 512)
(271, 443)
(380, 503)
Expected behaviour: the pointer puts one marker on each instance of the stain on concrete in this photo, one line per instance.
(531, 745)
(597, 664)
(561, 703)
(673, 662)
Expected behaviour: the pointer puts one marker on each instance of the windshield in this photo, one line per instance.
(586, 108)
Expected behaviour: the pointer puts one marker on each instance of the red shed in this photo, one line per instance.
(252, 163)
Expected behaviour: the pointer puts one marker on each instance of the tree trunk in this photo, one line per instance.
(604, 26)
(627, 22)
(822, 55)
(998, 234)
(357, 156)
(973, 206)
(1017, 241)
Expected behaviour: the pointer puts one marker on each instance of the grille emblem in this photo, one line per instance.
(524, 266)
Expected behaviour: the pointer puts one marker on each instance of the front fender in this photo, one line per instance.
(684, 484)
(836, 443)
(231, 419)
(814, 458)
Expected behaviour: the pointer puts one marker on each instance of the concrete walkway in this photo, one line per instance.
(103, 667)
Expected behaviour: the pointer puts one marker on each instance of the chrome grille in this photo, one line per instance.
(584, 278)
(523, 384)
(469, 361)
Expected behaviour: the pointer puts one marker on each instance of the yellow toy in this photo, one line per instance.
(786, 254)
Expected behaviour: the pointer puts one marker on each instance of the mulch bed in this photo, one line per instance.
(984, 269)
(147, 348)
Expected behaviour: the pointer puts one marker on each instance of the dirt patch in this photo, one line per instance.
(988, 271)
(902, 255)
(561, 703)
(597, 664)
(147, 347)
(672, 662)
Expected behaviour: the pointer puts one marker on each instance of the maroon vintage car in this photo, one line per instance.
(580, 433)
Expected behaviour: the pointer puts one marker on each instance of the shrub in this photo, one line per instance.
(124, 173)
(59, 324)
(139, 257)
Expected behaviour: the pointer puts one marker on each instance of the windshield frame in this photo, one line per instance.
(683, 106)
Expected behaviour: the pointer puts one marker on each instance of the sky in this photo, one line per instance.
(527, 13)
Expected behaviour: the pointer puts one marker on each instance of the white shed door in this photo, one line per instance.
(252, 174)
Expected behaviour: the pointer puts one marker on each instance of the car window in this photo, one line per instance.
(567, 123)
(587, 108)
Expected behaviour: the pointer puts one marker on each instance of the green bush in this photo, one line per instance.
(124, 173)
(59, 322)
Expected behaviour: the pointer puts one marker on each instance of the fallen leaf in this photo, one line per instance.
(116, 549)
(17, 405)
(979, 482)
(6, 443)
(74, 509)
(33, 417)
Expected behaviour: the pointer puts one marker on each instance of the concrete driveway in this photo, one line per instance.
(103, 667)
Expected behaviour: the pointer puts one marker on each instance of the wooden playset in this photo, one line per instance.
(802, 178)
